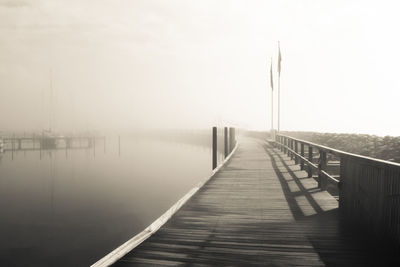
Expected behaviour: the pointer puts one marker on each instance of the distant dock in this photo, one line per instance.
(41, 142)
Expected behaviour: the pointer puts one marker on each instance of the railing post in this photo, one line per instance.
(281, 143)
(310, 159)
(226, 147)
(288, 145)
(340, 185)
(302, 154)
(291, 147)
(322, 167)
(214, 148)
(284, 144)
(296, 158)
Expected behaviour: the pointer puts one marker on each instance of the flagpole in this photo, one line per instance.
(272, 111)
(279, 102)
(272, 100)
(271, 80)
(279, 86)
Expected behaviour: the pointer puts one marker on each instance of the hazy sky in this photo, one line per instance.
(126, 63)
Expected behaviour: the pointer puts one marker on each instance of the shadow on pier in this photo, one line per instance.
(260, 209)
(337, 242)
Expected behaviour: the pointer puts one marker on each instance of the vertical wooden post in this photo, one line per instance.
(226, 146)
(288, 146)
(296, 159)
(310, 159)
(214, 148)
(285, 142)
(232, 138)
(291, 147)
(302, 154)
(321, 167)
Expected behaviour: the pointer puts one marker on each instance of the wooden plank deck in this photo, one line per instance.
(259, 209)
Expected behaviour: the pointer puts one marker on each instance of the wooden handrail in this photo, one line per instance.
(311, 164)
(369, 189)
(340, 153)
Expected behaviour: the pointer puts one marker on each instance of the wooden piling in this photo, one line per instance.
(214, 148)
(226, 145)
(232, 138)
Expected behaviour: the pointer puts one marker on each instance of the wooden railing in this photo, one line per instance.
(369, 189)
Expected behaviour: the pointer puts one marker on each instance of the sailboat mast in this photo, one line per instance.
(51, 100)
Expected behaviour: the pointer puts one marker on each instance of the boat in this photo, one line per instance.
(48, 140)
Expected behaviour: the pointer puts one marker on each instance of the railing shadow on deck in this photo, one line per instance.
(337, 242)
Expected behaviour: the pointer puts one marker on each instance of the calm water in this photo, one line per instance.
(70, 208)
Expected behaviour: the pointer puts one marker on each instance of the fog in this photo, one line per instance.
(119, 65)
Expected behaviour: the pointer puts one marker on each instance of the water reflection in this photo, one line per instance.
(69, 207)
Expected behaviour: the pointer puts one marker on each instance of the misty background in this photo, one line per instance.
(125, 64)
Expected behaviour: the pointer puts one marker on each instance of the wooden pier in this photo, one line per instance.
(259, 209)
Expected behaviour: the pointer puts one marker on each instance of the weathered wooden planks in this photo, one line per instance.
(260, 209)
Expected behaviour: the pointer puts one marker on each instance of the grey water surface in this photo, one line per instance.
(72, 207)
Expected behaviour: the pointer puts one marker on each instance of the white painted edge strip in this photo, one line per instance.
(126, 247)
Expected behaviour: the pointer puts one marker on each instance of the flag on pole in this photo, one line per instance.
(279, 58)
(271, 77)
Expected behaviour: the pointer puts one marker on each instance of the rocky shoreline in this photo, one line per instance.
(386, 148)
